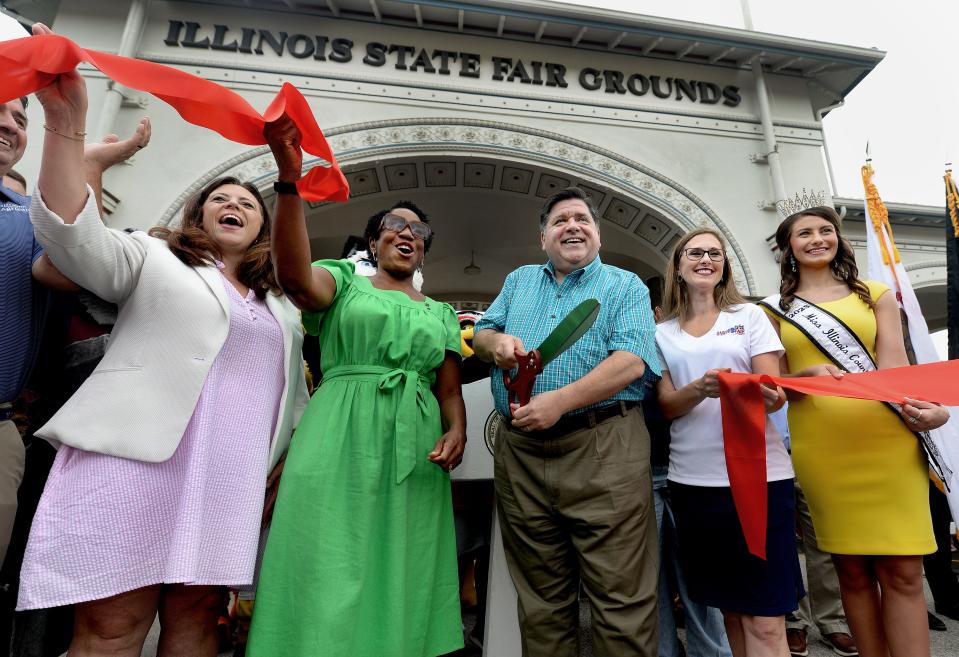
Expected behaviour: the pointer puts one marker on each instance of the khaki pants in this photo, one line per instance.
(579, 508)
(11, 473)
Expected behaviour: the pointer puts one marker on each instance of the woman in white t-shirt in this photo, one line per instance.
(708, 327)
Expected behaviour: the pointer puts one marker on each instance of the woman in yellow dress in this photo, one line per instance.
(862, 468)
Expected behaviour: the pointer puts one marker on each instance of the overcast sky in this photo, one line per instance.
(907, 108)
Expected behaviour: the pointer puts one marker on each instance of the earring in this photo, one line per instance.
(792, 263)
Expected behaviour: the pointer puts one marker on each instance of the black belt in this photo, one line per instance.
(585, 420)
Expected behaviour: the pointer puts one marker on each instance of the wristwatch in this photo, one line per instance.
(281, 187)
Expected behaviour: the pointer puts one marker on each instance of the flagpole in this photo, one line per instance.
(885, 265)
(952, 263)
(879, 228)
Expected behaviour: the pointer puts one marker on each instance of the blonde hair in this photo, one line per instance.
(676, 298)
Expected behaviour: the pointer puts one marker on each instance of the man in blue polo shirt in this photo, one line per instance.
(572, 467)
(21, 310)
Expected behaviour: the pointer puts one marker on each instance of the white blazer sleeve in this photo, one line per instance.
(105, 261)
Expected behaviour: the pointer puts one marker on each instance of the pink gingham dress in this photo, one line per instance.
(106, 525)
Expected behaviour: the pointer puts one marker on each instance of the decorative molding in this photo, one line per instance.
(905, 247)
(927, 264)
(372, 141)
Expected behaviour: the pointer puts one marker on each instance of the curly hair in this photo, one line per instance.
(676, 299)
(843, 266)
(193, 246)
(373, 228)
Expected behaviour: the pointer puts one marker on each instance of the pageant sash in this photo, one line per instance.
(32, 63)
(744, 421)
(843, 347)
(830, 334)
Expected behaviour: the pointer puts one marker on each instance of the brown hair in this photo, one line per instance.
(676, 299)
(843, 265)
(566, 195)
(193, 246)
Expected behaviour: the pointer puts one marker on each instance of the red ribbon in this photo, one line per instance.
(744, 423)
(32, 63)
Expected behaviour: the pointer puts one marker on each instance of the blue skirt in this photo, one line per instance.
(720, 571)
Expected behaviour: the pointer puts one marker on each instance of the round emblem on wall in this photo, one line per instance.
(489, 431)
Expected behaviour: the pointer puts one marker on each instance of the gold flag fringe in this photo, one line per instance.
(880, 217)
(952, 202)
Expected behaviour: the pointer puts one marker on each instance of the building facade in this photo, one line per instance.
(479, 110)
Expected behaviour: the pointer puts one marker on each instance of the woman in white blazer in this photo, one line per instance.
(155, 500)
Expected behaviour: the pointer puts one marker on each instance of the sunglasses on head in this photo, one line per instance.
(395, 223)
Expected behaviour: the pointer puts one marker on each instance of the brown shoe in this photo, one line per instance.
(796, 640)
(841, 644)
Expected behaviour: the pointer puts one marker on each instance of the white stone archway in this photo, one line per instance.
(634, 184)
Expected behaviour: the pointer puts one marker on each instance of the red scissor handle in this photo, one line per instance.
(519, 389)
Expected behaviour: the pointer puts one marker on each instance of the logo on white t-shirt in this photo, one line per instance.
(739, 329)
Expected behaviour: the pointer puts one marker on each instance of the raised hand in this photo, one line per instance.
(113, 150)
(284, 139)
(64, 100)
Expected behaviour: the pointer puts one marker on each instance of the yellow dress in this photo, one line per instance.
(863, 472)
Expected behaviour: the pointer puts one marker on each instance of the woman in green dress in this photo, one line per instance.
(361, 557)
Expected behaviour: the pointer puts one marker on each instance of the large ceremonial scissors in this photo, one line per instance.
(519, 388)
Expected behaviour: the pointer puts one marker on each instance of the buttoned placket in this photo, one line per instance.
(247, 300)
(562, 291)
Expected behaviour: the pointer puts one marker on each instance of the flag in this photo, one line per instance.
(885, 265)
(952, 263)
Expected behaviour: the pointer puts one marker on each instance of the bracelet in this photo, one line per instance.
(79, 135)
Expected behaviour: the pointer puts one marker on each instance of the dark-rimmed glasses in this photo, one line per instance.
(716, 255)
(397, 224)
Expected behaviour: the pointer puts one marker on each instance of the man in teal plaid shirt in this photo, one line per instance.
(572, 466)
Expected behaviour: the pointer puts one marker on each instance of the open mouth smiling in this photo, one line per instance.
(6, 142)
(230, 220)
(405, 249)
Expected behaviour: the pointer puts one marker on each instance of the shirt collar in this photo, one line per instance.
(582, 272)
(10, 196)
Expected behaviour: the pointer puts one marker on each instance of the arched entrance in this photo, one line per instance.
(483, 183)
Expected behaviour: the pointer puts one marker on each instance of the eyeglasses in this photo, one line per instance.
(716, 255)
(397, 224)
